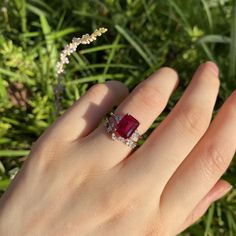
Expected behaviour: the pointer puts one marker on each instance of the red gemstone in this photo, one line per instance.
(126, 127)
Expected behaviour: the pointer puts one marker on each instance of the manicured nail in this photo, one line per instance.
(214, 68)
(222, 193)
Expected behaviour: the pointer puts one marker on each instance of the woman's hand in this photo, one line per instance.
(78, 181)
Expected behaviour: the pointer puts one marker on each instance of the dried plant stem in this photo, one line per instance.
(68, 50)
(58, 88)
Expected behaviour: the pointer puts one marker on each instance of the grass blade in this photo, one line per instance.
(101, 48)
(127, 35)
(96, 78)
(232, 61)
(208, 13)
(214, 38)
(103, 65)
(209, 220)
(21, 5)
(61, 33)
(93, 16)
(49, 41)
(14, 153)
(44, 5)
(207, 51)
(35, 10)
(3, 91)
(112, 54)
(9, 73)
(181, 14)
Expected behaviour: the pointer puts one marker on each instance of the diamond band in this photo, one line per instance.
(123, 128)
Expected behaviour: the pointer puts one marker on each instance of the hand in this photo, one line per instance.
(78, 181)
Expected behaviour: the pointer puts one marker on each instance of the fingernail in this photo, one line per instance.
(222, 192)
(214, 68)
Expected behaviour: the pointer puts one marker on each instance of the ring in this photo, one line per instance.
(123, 128)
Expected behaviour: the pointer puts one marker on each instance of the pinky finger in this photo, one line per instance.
(218, 191)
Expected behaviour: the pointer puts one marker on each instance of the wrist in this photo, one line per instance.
(7, 215)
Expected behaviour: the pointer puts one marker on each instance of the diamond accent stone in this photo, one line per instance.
(128, 142)
(113, 136)
(135, 136)
(133, 145)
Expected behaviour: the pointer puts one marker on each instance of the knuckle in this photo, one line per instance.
(156, 227)
(45, 154)
(158, 224)
(111, 203)
(120, 199)
(192, 120)
(150, 97)
(213, 161)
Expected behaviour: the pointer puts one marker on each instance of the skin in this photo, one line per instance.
(77, 181)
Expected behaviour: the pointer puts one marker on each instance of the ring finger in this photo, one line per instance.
(145, 103)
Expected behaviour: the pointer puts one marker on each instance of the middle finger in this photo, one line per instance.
(176, 136)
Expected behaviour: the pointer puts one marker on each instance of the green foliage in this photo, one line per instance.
(143, 36)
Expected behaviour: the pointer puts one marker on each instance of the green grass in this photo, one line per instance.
(143, 36)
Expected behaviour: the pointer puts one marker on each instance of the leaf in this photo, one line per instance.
(3, 92)
(4, 184)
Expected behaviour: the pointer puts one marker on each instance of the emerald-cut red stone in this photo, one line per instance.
(126, 127)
